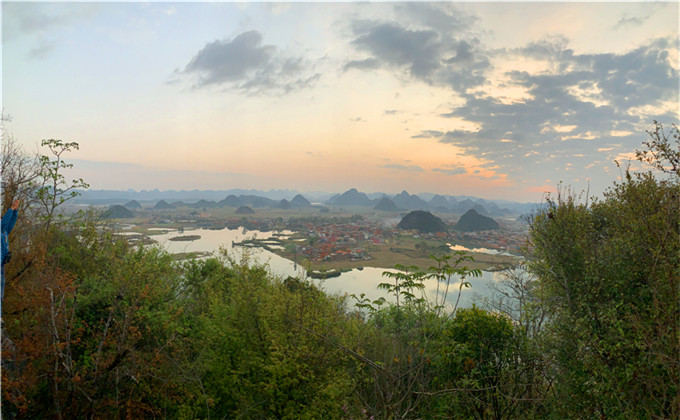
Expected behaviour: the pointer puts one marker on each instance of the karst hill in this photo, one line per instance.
(423, 221)
(472, 221)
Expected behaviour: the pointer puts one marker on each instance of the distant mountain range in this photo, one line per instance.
(111, 196)
(438, 203)
(285, 199)
(351, 197)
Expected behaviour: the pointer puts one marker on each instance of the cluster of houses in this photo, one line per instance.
(341, 241)
(346, 240)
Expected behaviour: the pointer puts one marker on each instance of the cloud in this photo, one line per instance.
(222, 61)
(627, 21)
(399, 167)
(445, 18)
(170, 11)
(42, 50)
(277, 8)
(419, 50)
(367, 64)
(575, 109)
(641, 76)
(463, 53)
(556, 100)
(427, 43)
(246, 65)
(22, 18)
(450, 170)
(428, 134)
(42, 22)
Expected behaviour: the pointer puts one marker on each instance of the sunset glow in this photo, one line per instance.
(482, 99)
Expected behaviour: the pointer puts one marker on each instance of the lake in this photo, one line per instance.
(353, 282)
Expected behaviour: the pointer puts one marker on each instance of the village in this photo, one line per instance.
(347, 240)
(359, 240)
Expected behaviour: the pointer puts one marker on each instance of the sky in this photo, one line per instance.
(496, 100)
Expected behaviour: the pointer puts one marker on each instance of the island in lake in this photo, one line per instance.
(185, 238)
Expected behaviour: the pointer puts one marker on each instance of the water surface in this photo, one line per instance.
(353, 282)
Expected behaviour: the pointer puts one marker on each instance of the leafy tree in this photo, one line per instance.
(478, 349)
(517, 296)
(608, 272)
(406, 335)
(98, 324)
(660, 152)
(54, 190)
(19, 170)
(263, 348)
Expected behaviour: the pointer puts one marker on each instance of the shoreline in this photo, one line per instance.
(403, 251)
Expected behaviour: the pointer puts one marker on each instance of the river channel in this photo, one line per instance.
(355, 282)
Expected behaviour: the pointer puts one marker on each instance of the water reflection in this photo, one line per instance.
(482, 250)
(367, 280)
(212, 241)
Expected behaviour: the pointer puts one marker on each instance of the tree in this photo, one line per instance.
(262, 348)
(405, 337)
(478, 353)
(660, 152)
(54, 190)
(608, 273)
(19, 170)
(95, 328)
(516, 295)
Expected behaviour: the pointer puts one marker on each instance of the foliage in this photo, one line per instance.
(53, 188)
(608, 272)
(260, 347)
(406, 336)
(660, 152)
(19, 170)
(105, 321)
(517, 296)
(477, 352)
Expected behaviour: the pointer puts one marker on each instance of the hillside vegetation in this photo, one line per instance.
(118, 212)
(588, 328)
(423, 222)
(472, 221)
